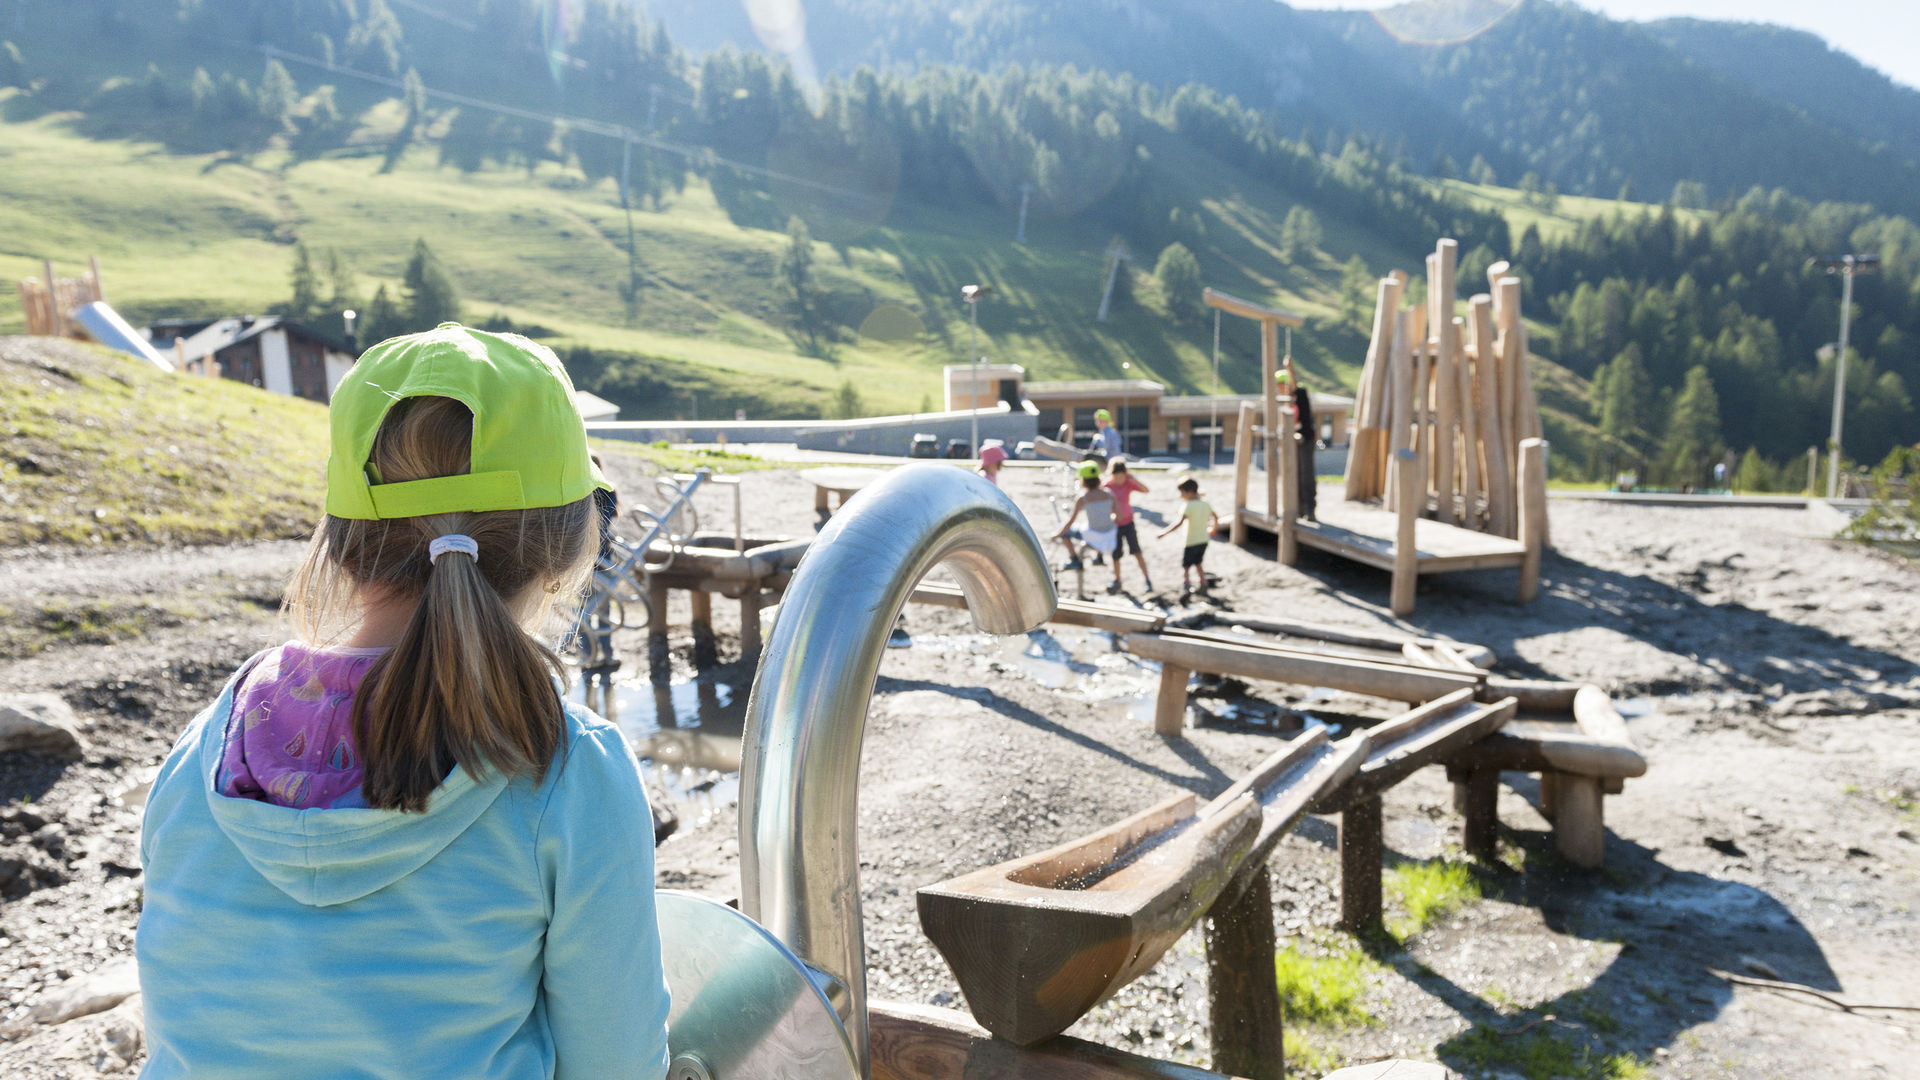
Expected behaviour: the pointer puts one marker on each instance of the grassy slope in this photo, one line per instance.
(100, 447)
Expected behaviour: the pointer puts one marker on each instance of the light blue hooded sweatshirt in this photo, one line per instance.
(507, 932)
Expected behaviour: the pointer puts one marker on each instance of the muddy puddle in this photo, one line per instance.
(687, 735)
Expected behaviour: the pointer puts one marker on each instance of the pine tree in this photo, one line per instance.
(1300, 233)
(382, 320)
(796, 273)
(1480, 172)
(1693, 429)
(1177, 273)
(13, 68)
(276, 97)
(847, 404)
(1622, 395)
(1358, 290)
(430, 294)
(305, 302)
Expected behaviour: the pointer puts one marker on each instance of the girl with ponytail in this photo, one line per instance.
(389, 848)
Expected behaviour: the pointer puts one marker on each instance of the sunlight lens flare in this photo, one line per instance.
(782, 28)
(1442, 22)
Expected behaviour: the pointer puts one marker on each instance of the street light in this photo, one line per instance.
(1126, 395)
(1846, 266)
(972, 294)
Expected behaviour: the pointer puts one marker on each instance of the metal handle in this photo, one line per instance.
(799, 867)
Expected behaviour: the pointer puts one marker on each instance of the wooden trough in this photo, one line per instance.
(1571, 735)
(708, 565)
(1037, 942)
(1399, 748)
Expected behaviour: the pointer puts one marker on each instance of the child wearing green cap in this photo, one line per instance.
(389, 845)
(1098, 504)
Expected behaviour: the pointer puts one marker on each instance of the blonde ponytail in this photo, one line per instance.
(467, 684)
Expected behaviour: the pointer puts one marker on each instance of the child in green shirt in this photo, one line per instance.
(1200, 521)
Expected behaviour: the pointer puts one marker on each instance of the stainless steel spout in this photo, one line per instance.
(799, 864)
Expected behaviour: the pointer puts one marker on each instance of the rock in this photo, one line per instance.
(87, 994)
(39, 722)
(108, 1042)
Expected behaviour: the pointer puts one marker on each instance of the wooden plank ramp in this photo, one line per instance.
(1038, 941)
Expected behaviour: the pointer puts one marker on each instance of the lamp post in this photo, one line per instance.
(1126, 395)
(972, 294)
(1846, 266)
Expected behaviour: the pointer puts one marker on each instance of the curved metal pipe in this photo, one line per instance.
(799, 867)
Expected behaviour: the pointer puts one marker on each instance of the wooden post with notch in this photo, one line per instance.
(1533, 514)
(1242, 472)
(1170, 705)
(1408, 477)
(1243, 990)
(1286, 544)
(1360, 867)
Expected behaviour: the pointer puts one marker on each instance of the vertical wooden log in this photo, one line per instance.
(1480, 807)
(1286, 545)
(1400, 422)
(56, 316)
(1242, 472)
(1549, 794)
(1269, 365)
(1170, 705)
(1579, 833)
(1467, 452)
(659, 657)
(1407, 474)
(1533, 514)
(1497, 475)
(1446, 411)
(1441, 292)
(704, 653)
(750, 624)
(99, 283)
(1243, 989)
(1360, 867)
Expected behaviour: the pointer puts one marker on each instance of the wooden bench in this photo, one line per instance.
(1571, 735)
(1400, 747)
(1183, 652)
(1038, 941)
(1109, 617)
(833, 485)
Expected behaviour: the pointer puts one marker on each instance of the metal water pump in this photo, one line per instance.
(779, 988)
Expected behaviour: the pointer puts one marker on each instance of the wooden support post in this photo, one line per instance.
(1269, 365)
(57, 325)
(1481, 808)
(1549, 794)
(1360, 867)
(1533, 514)
(1170, 707)
(1578, 831)
(704, 653)
(1243, 990)
(1242, 471)
(1498, 474)
(1408, 475)
(1468, 453)
(1446, 384)
(99, 284)
(1400, 419)
(1286, 545)
(750, 623)
(659, 656)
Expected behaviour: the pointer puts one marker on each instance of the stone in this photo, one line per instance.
(1397, 1069)
(39, 722)
(95, 992)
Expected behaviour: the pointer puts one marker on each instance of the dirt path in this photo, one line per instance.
(1774, 680)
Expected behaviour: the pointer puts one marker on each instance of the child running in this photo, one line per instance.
(1100, 533)
(1122, 484)
(1200, 521)
(389, 848)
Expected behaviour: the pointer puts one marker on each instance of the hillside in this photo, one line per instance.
(101, 448)
(1799, 69)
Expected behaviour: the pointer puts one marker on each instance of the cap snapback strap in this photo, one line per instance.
(472, 493)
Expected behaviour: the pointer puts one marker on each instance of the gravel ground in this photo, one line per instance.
(1772, 675)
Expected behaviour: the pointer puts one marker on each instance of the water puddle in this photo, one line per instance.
(686, 734)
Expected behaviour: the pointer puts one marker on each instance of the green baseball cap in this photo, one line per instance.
(1088, 470)
(529, 446)
(1102, 414)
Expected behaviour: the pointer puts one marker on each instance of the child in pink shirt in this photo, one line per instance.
(1123, 484)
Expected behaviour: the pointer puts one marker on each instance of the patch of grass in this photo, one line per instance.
(1327, 985)
(1538, 1054)
(96, 447)
(679, 459)
(1305, 1057)
(1427, 891)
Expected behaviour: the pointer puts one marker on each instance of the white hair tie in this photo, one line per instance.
(440, 545)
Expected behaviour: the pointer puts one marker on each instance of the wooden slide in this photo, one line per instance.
(1038, 941)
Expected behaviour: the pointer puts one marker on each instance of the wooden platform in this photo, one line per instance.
(1364, 534)
(841, 482)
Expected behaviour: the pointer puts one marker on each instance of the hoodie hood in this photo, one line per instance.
(323, 857)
